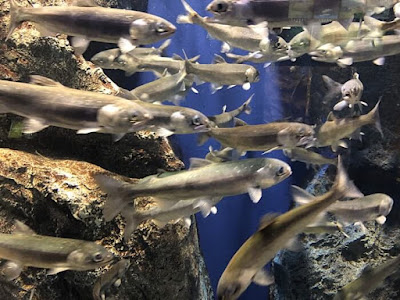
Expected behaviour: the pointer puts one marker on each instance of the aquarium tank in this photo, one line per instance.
(209, 149)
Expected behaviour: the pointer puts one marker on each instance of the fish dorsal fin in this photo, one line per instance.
(84, 3)
(198, 163)
(194, 59)
(218, 59)
(43, 81)
(267, 219)
(177, 57)
(239, 122)
(301, 196)
(21, 228)
(331, 117)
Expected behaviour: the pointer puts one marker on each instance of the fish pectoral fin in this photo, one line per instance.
(88, 130)
(215, 87)
(10, 270)
(33, 125)
(132, 221)
(218, 59)
(164, 132)
(343, 62)
(225, 48)
(80, 44)
(263, 278)
(117, 282)
(267, 219)
(340, 105)
(255, 194)
(22, 228)
(361, 226)
(204, 206)
(381, 220)
(196, 163)
(301, 196)
(54, 271)
(117, 136)
(294, 245)
(380, 61)
(125, 45)
(188, 222)
(246, 86)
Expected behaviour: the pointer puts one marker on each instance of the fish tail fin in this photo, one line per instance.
(119, 195)
(343, 185)
(373, 116)
(164, 46)
(132, 220)
(15, 9)
(334, 89)
(191, 16)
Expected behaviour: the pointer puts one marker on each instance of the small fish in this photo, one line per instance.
(274, 234)
(308, 157)
(321, 228)
(263, 137)
(370, 279)
(171, 88)
(223, 155)
(110, 278)
(222, 119)
(221, 73)
(333, 130)
(25, 248)
(107, 59)
(127, 28)
(170, 119)
(204, 181)
(367, 208)
(351, 92)
(366, 49)
(246, 38)
(45, 102)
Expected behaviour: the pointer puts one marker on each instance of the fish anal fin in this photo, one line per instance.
(33, 125)
(88, 130)
(267, 219)
(263, 278)
(22, 228)
(80, 44)
(10, 270)
(54, 271)
(125, 45)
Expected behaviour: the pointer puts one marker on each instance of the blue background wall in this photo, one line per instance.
(222, 234)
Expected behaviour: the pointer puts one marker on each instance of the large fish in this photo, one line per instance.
(274, 234)
(25, 248)
(333, 130)
(48, 103)
(221, 73)
(246, 38)
(123, 27)
(264, 137)
(204, 181)
(370, 279)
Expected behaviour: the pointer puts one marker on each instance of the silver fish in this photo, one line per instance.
(107, 59)
(112, 277)
(263, 137)
(275, 233)
(171, 119)
(25, 248)
(45, 103)
(171, 88)
(221, 73)
(123, 27)
(333, 130)
(222, 119)
(351, 92)
(204, 181)
(246, 38)
(369, 280)
(308, 157)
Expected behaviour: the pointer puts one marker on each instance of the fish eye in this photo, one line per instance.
(280, 172)
(221, 7)
(97, 257)
(196, 120)
(161, 28)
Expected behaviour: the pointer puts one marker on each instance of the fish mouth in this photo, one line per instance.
(202, 128)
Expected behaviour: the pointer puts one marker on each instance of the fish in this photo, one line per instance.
(221, 73)
(45, 102)
(127, 28)
(328, 227)
(110, 278)
(173, 119)
(263, 137)
(333, 130)
(367, 49)
(107, 59)
(222, 119)
(333, 33)
(222, 155)
(308, 157)
(246, 38)
(25, 248)
(171, 88)
(351, 92)
(366, 208)
(287, 13)
(275, 233)
(204, 181)
(369, 280)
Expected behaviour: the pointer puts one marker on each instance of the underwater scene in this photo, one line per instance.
(199, 149)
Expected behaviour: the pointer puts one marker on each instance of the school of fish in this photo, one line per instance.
(331, 34)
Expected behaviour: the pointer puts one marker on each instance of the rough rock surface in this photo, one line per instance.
(330, 261)
(45, 181)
